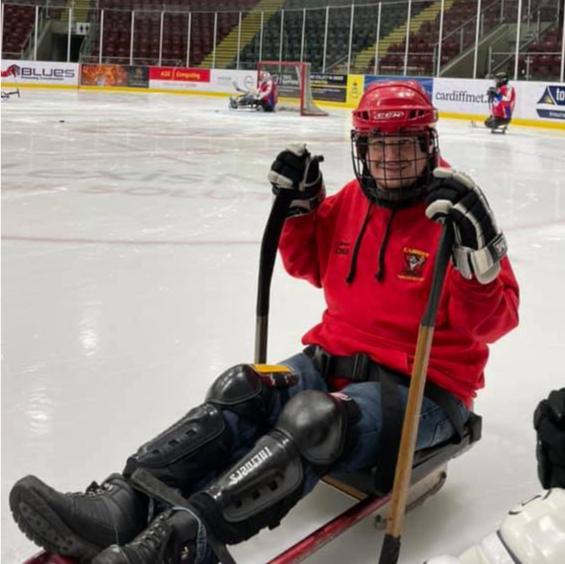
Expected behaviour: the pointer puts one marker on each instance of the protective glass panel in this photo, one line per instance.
(146, 37)
(18, 32)
(116, 37)
(175, 25)
(459, 31)
(314, 38)
(392, 39)
(292, 35)
(271, 50)
(227, 40)
(202, 39)
(251, 43)
(424, 36)
(541, 37)
(338, 39)
(365, 21)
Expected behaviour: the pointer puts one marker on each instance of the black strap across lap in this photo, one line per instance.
(361, 368)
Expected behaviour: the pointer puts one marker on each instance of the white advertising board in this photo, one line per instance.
(205, 80)
(539, 101)
(461, 96)
(224, 80)
(543, 101)
(44, 72)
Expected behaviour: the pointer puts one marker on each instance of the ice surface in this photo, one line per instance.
(131, 227)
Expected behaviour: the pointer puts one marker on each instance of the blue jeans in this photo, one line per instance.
(434, 428)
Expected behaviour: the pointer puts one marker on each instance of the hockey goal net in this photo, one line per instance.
(293, 85)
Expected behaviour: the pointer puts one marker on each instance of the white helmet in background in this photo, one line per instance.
(532, 533)
(264, 76)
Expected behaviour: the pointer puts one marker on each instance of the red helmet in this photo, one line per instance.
(397, 115)
(391, 107)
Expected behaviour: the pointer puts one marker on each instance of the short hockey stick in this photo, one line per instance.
(269, 246)
(391, 545)
(234, 83)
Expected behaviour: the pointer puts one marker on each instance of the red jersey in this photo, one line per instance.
(381, 317)
(268, 92)
(504, 102)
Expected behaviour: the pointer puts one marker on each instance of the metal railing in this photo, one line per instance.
(352, 37)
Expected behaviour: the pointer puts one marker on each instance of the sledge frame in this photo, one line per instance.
(8, 94)
(429, 474)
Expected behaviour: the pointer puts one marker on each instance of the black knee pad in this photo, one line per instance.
(320, 425)
(247, 389)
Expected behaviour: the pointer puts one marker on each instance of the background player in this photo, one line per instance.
(502, 99)
(265, 97)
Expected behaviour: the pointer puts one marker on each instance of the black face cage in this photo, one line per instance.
(398, 186)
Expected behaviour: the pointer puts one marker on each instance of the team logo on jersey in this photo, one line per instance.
(342, 248)
(553, 99)
(414, 261)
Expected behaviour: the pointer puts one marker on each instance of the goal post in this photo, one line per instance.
(293, 85)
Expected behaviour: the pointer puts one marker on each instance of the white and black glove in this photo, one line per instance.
(297, 170)
(479, 243)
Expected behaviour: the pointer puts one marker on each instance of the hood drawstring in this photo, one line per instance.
(381, 265)
(382, 251)
(357, 246)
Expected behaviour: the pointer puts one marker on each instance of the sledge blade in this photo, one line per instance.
(47, 558)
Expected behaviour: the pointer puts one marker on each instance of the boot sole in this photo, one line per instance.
(43, 526)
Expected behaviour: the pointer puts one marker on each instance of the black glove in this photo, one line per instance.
(549, 423)
(479, 243)
(295, 169)
(492, 93)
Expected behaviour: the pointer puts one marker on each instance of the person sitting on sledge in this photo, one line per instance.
(265, 435)
(502, 99)
(265, 97)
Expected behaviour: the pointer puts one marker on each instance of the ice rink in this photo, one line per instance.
(131, 226)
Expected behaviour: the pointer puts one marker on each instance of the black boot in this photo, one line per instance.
(78, 524)
(176, 536)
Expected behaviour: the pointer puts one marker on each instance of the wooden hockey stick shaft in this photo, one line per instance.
(391, 545)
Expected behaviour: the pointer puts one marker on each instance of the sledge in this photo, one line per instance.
(500, 129)
(244, 101)
(418, 476)
(6, 95)
(12, 70)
